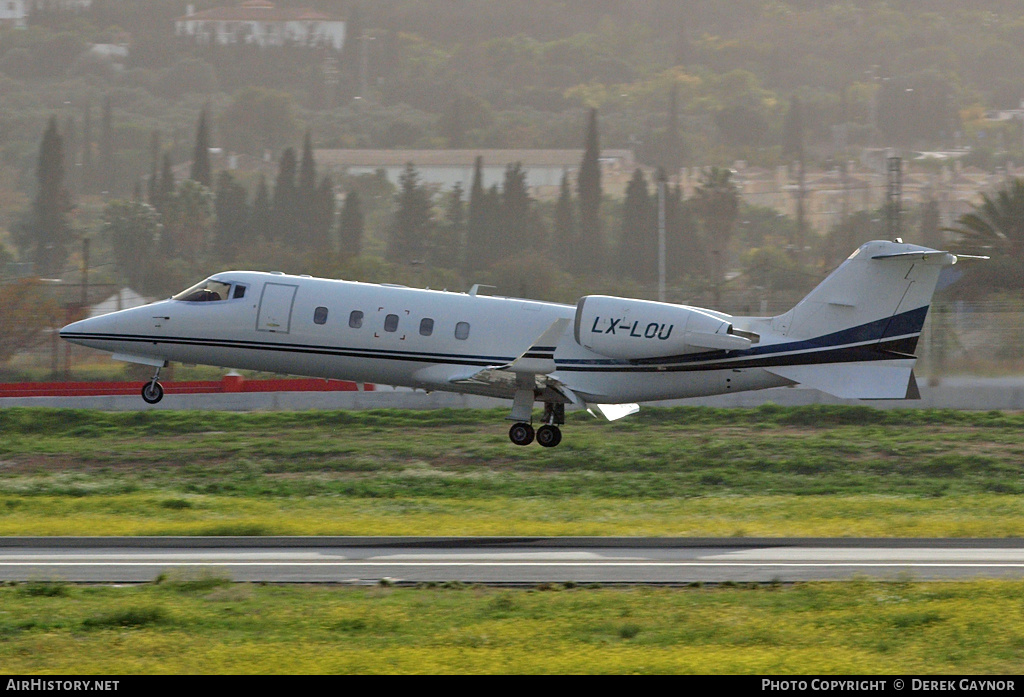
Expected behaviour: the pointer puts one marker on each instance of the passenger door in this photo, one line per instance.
(275, 313)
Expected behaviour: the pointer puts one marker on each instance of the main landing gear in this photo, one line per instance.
(153, 391)
(548, 435)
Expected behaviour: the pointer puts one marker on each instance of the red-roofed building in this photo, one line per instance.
(260, 22)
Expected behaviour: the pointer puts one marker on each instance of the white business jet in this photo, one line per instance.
(853, 336)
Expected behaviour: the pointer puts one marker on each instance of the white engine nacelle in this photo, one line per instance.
(632, 329)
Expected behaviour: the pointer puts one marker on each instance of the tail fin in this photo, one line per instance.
(881, 291)
(870, 310)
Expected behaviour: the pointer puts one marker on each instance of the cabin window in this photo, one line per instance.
(462, 330)
(239, 292)
(207, 291)
(391, 323)
(426, 326)
(320, 315)
(355, 320)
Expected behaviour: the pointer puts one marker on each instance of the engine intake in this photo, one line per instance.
(631, 329)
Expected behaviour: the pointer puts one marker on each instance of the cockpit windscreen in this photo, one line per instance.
(207, 291)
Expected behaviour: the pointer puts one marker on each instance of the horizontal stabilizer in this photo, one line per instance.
(614, 412)
(933, 256)
(872, 380)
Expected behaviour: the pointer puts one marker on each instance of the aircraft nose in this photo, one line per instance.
(91, 328)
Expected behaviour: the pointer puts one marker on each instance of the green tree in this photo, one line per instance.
(995, 223)
(27, 310)
(262, 213)
(44, 234)
(305, 198)
(479, 236)
(410, 228)
(108, 162)
(447, 245)
(87, 184)
(590, 246)
(132, 228)
(351, 226)
(232, 211)
(516, 221)
(165, 185)
(638, 250)
(200, 171)
(322, 211)
(286, 209)
(717, 203)
(187, 219)
(564, 236)
(154, 167)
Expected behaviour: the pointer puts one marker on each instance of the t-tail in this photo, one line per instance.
(855, 334)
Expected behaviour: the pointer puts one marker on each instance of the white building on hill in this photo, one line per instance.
(260, 22)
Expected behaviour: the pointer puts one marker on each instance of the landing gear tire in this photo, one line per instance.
(549, 436)
(152, 392)
(521, 434)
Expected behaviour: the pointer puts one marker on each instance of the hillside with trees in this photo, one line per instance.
(114, 148)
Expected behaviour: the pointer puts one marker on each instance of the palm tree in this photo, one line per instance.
(997, 222)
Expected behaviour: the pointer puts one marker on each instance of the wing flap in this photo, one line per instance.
(614, 412)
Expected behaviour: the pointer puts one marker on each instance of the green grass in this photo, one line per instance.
(858, 627)
(830, 471)
(815, 471)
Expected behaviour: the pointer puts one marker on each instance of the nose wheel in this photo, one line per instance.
(153, 391)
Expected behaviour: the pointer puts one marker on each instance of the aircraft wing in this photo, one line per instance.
(538, 360)
(531, 370)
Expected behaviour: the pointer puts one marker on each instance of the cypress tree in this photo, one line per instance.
(673, 152)
(165, 186)
(200, 171)
(44, 235)
(411, 225)
(262, 212)
(322, 216)
(285, 204)
(565, 223)
(232, 211)
(154, 168)
(70, 146)
(590, 247)
(351, 226)
(306, 194)
(634, 258)
(108, 174)
(515, 212)
(88, 183)
(478, 240)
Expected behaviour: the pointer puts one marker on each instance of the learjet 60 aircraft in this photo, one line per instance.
(853, 336)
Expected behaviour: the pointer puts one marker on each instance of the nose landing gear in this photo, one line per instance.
(153, 391)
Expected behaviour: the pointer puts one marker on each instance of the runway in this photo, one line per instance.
(507, 561)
